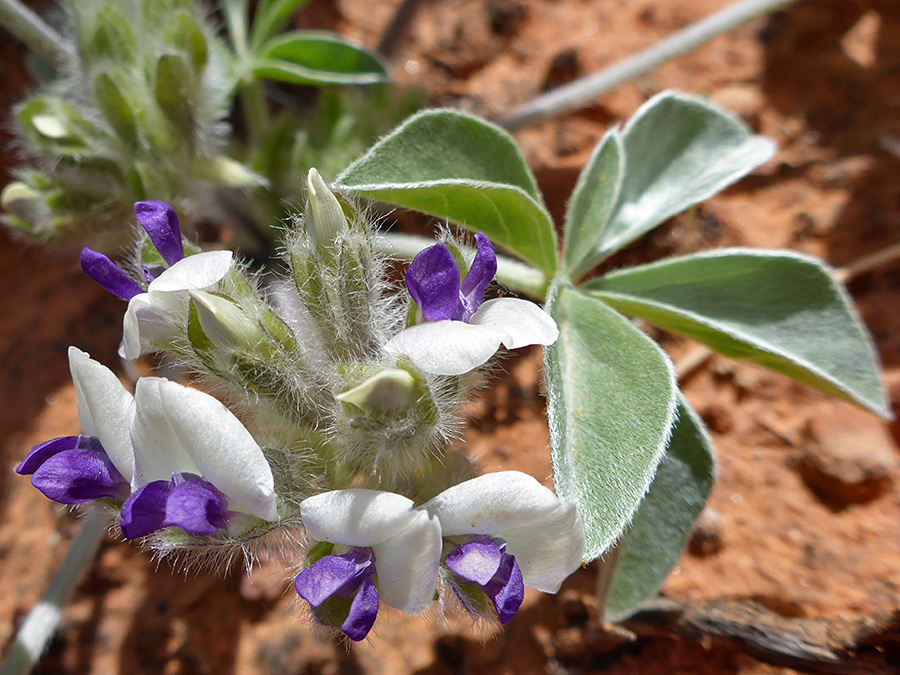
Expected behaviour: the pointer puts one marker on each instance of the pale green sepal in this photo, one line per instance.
(780, 309)
(452, 165)
(227, 171)
(325, 217)
(679, 150)
(662, 524)
(225, 324)
(611, 398)
(392, 390)
(592, 202)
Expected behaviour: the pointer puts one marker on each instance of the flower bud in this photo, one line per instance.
(389, 392)
(325, 217)
(17, 197)
(225, 324)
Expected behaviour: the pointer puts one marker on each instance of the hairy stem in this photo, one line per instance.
(36, 631)
(33, 32)
(581, 91)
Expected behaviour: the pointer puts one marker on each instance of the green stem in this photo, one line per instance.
(30, 29)
(36, 631)
(515, 275)
(580, 92)
(256, 113)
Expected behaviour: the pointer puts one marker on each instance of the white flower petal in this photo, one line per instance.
(357, 517)
(550, 549)
(222, 449)
(132, 346)
(193, 273)
(543, 531)
(407, 565)
(105, 408)
(523, 323)
(446, 347)
(158, 452)
(491, 503)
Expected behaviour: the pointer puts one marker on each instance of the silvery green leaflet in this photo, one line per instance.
(625, 445)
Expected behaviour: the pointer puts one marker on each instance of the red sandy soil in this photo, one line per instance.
(805, 511)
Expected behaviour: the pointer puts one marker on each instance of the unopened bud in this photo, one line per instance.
(324, 215)
(388, 392)
(49, 126)
(224, 324)
(17, 197)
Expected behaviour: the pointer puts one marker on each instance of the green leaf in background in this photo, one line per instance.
(657, 535)
(780, 309)
(318, 57)
(611, 402)
(271, 16)
(592, 201)
(679, 150)
(456, 166)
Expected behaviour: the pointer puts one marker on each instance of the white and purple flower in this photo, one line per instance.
(458, 331)
(173, 456)
(155, 304)
(381, 549)
(496, 535)
(503, 532)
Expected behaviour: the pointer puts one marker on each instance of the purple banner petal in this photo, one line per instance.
(76, 476)
(363, 612)
(196, 506)
(145, 511)
(44, 451)
(482, 271)
(161, 223)
(507, 589)
(476, 561)
(433, 282)
(104, 271)
(335, 576)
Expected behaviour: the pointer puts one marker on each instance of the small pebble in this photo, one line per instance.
(706, 537)
(848, 456)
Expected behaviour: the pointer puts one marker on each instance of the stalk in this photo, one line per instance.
(36, 631)
(581, 91)
(31, 30)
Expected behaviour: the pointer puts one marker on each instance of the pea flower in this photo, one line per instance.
(175, 456)
(98, 464)
(195, 465)
(153, 313)
(458, 330)
(379, 548)
(503, 532)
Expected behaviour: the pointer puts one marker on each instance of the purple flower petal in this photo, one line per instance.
(76, 476)
(44, 451)
(363, 612)
(196, 506)
(161, 223)
(433, 282)
(476, 561)
(507, 589)
(335, 576)
(104, 271)
(187, 501)
(482, 271)
(145, 510)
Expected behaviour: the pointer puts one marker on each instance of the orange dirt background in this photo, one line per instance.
(822, 79)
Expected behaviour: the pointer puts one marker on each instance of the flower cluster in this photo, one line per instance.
(169, 456)
(347, 393)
